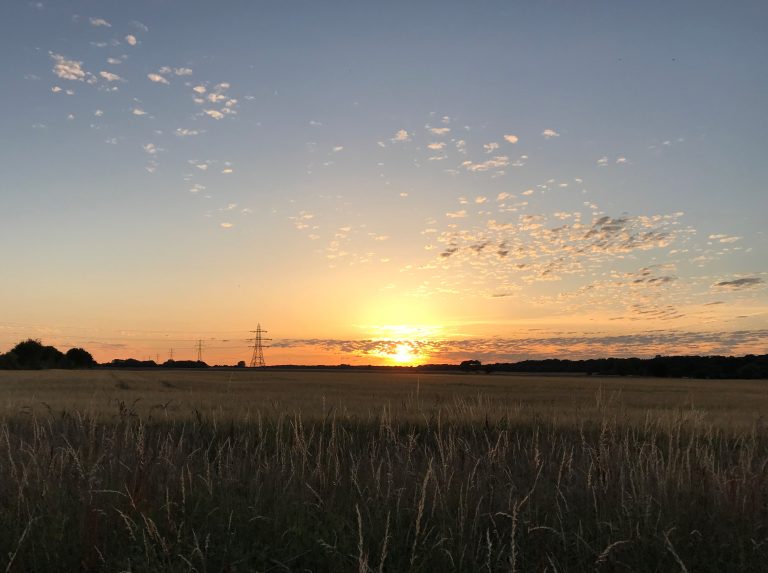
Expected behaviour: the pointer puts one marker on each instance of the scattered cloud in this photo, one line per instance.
(439, 130)
(511, 138)
(158, 79)
(724, 238)
(138, 111)
(131, 40)
(68, 69)
(549, 133)
(110, 77)
(568, 345)
(436, 146)
(401, 135)
(226, 225)
(497, 162)
(100, 22)
(184, 132)
(215, 114)
(490, 147)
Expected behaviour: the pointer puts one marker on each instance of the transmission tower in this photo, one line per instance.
(199, 350)
(257, 359)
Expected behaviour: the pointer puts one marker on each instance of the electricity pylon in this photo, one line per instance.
(257, 358)
(199, 350)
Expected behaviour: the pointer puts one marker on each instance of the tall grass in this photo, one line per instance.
(340, 492)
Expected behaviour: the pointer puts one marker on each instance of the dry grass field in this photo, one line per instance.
(241, 394)
(369, 471)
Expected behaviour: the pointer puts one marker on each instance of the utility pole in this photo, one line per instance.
(257, 358)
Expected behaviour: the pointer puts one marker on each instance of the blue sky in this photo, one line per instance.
(357, 176)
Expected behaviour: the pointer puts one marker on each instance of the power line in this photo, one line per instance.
(257, 358)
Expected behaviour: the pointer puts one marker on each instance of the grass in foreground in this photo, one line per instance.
(342, 492)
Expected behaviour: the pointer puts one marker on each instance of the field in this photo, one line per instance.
(368, 471)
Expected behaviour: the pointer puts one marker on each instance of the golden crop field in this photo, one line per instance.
(238, 394)
(244, 470)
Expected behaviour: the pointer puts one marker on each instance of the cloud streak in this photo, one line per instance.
(739, 284)
(571, 346)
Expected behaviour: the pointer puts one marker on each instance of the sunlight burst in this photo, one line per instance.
(403, 354)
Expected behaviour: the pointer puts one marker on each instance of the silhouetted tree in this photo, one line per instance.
(470, 365)
(9, 361)
(79, 358)
(33, 355)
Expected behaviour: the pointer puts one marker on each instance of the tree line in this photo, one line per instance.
(33, 355)
(750, 366)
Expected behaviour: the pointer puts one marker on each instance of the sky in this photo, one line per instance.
(384, 182)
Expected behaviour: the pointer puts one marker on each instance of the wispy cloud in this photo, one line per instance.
(739, 284)
(724, 238)
(99, 22)
(139, 26)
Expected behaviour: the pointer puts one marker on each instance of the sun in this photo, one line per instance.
(403, 354)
